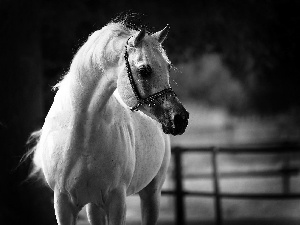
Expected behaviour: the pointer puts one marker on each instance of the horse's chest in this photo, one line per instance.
(149, 160)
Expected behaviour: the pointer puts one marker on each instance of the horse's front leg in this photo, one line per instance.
(150, 201)
(96, 215)
(66, 212)
(116, 207)
(150, 195)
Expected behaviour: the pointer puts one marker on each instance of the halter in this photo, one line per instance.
(150, 100)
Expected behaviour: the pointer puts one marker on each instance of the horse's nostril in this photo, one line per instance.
(178, 121)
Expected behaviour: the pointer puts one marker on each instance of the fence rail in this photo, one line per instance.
(286, 172)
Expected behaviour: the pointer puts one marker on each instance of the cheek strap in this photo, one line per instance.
(150, 100)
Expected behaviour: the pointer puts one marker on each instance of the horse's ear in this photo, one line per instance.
(138, 38)
(161, 35)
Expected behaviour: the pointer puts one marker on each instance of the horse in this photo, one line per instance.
(106, 135)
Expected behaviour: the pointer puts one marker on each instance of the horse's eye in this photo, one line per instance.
(145, 71)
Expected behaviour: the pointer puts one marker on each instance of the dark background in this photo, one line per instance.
(257, 40)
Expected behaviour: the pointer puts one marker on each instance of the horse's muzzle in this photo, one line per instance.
(179, 124)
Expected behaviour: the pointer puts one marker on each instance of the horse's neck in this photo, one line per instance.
(91, 97)
(85, 91)
(79, 109)
(90, 87)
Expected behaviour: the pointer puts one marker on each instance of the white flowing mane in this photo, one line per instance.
(102, 48)
(97, 52)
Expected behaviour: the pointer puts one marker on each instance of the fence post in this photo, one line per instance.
(180, 214)
(218, 205)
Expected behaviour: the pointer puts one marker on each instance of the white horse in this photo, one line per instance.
(105, 136)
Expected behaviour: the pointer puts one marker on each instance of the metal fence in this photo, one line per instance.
(285, 172)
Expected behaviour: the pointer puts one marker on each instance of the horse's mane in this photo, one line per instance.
(100, 49)
(96, 53)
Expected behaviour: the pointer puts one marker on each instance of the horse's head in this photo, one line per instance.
(144, 85)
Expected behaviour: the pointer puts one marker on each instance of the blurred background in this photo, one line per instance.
(235, 68)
